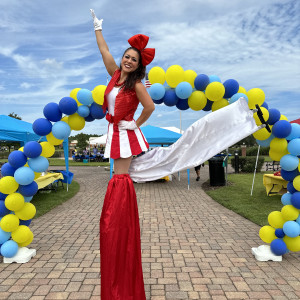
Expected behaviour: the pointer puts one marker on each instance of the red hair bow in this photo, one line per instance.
(140, 41)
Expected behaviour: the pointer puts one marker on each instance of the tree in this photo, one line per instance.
(13, 115)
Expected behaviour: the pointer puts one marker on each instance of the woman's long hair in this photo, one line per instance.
(138, 74)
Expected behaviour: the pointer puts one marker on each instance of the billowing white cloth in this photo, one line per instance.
(202, 140)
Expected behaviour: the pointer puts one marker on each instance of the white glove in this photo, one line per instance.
(97, 23)
(129, 125)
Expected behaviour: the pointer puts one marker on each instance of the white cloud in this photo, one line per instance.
(26, 85)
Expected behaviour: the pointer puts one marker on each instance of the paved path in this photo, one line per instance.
(192, 248)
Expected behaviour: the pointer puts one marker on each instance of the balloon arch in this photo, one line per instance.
(185, 90)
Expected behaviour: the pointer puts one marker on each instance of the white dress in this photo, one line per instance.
(122, 143)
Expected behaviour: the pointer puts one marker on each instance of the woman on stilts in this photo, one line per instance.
(120, 245)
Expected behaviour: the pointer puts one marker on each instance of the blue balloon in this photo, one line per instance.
(83, 111)
(231, 87)
(9, 249)
(85, 97)
(4, 236)
(17, 159)
(289, 175)
(68, 106)
(295, 133)
(295, 200)
(3, 210)
(279, 233)
(182, 104)
(28, 190)
(24, 176)
(42, 126)
(282, 129)
(201, 82)
(286, 199)
(7, 170)
(28, 199)
(294, 147)
(214, 78)
(39, 164)
(278, 247)
(291, 228)
(236, 97)
(160, 101)
(2, 196)
(183, 90)
(157, 91)
(89, 118)
(25, 222)
(61, 130)
(52, 112)
(289, 162)
(265, 105)
(170, 98)
(266, 142)
(32, 149)
(298, 220)
(290, 187)
(274, 116)
(208, 105)
(97, 111)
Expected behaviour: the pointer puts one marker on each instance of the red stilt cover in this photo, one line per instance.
(120, 244)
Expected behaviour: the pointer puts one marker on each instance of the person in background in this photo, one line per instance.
(197, 169)
(120, 249)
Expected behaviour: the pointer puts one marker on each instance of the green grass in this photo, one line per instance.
(44, 202)
(236, 196)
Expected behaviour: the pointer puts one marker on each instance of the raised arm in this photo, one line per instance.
(108, 60)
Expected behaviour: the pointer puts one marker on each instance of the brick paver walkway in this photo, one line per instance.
(192, 248)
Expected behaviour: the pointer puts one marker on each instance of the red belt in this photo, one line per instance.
(109, 118)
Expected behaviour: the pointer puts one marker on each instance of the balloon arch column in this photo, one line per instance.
(185, 90)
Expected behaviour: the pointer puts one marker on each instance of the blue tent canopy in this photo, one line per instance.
(12, 129)
(159, 136)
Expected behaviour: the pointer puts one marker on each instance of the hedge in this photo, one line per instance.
(247, 164)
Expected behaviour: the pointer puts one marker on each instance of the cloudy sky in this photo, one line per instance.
(48, 48)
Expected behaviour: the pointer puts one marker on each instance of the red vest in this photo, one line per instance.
(126, 100)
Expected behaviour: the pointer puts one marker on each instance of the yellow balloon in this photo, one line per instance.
(53, 140)
(174, 75)
(76, 122)
(9, 223)
(290, 213)
(293, 244)
(8, 185)
(47, 149)
(262, 134)
(197, 100)
(296, 182)
(14, 201)
(189, 76)
(276, 156)
(219, 104)
(255, 96)
(279, 145)
(28, 241)
(276, 219)
(265, 114)
(215, 91)
(242, 90)
(157, 75)
(267, 234)
(21, 149)
(27, 212)
(65, 119)
(21, 234)
(73, 94)
(98, 94)
(283, 117)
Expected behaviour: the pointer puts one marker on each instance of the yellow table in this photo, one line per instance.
(48, 179)
(274, 184)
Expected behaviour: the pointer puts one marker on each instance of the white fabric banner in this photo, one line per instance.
(202, 140)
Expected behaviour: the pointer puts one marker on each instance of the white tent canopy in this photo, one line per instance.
(101, 140)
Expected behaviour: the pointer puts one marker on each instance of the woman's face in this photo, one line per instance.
(130, 61)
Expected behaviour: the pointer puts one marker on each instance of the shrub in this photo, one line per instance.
(247, 164)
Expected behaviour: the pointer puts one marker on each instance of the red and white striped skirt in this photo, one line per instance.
(124, 143)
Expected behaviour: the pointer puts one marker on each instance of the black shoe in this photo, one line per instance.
(198, 178)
